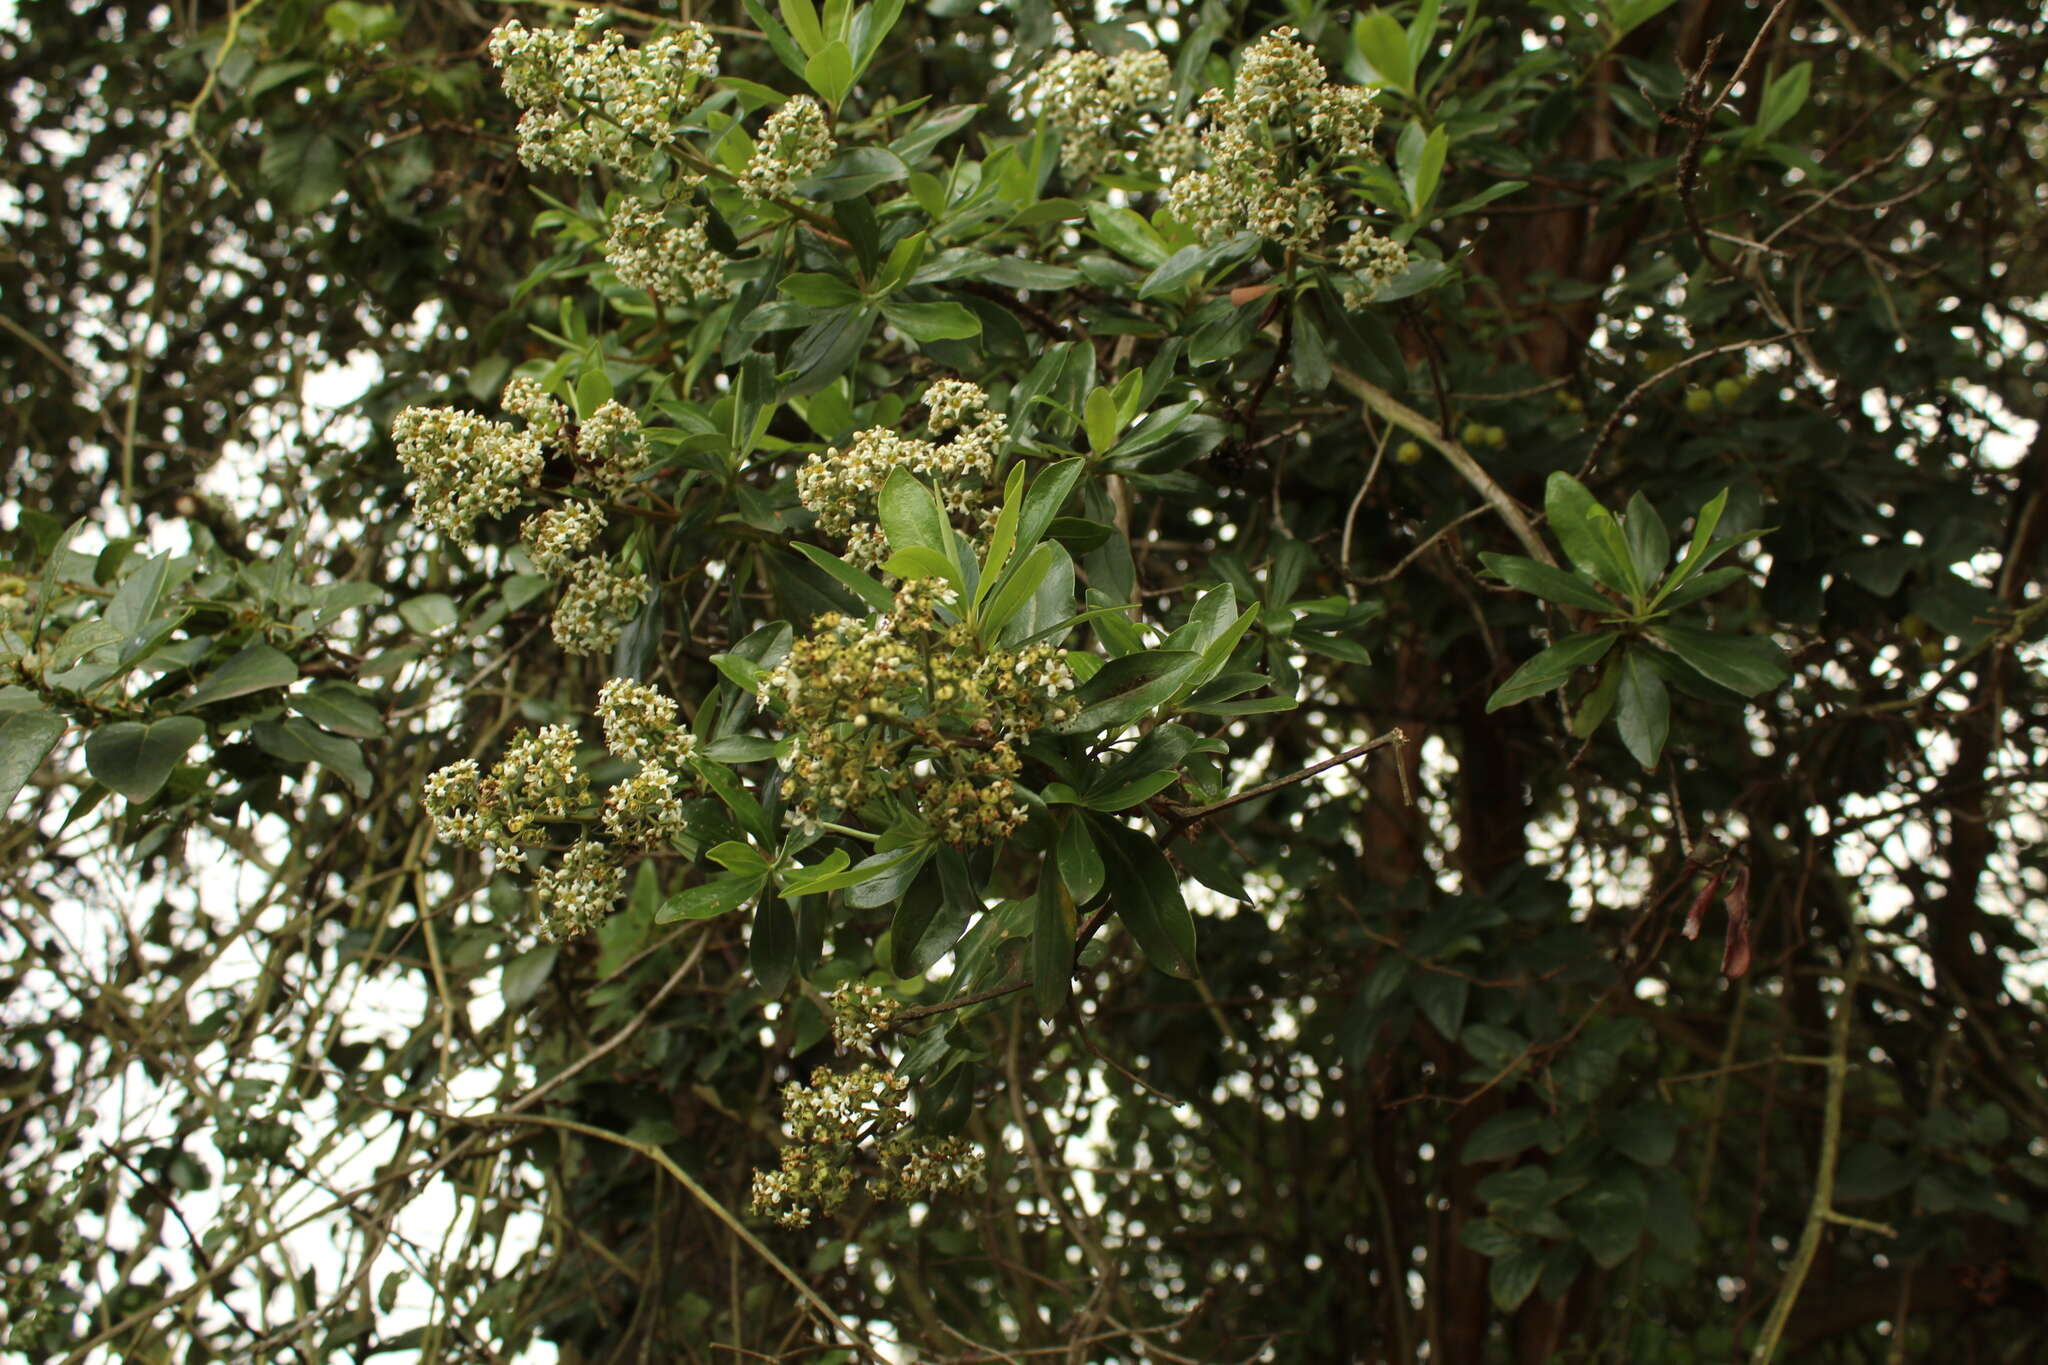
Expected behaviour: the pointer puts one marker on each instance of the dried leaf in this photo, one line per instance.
(1735, 955)
(1698, 912)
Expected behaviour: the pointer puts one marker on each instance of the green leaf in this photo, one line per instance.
(911, 515)
(1702, 541)
(1512, 1276)
(1599, 703)
(1048, 494)
(885, 876)
(1002, 539)
(719, 896)
(1419, 178)
(726, 785)
(1099, 419)
(933, 915)
(1551, 668)
(1503, 1135)
(932, 321)
(1642, 709)
(1589, 534)
(1147, 897)
(27, 734)
(1783, 99)
(257, 668)
(1649, 544)
(525, 974)
(1646, 1133)
(1441, 997)
(915, 561)
(1025, 579)
(1079, 860)
(817, 290)
(339, 708)
(1383, 44)
(830, 73)
(771, 947)
(1610, 1218)
(136, 759)
(1127, 688)
(802, 18)
(860, 584)
(1549, 583)
(1737, 662)
(1053, 930)
(1126, 232)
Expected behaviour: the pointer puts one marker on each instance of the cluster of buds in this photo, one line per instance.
(577, 893)
(640, 727)
(464, 467)
(1107, 109)
(537, 780)
(842, 484)
(599, 597)
(829, 1119)
(910, 709)
(673, 261)
(859, 1011)
(1272, 144)
(794, 144)
(591, 100)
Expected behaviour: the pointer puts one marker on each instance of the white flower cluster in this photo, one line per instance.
(611, 449)
(590, 100)
(672, 261)
(543, 413)
(827, 1119)
(466, 466)
(578, 892)
(841, 485)
(909, 710)
(1374, 261)
(557, 538)
(599, 599)
(1099, 105)
(1272, 145)
(794, 143)
(536, 781)
(859, 1011)
(640, 726)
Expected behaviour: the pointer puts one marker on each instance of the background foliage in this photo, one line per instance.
(1679, 1003)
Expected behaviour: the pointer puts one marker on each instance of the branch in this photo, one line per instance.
(1461, 459)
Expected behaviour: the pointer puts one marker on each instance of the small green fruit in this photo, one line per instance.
(1496, 437)
(1408, 452)
(1472, 434)
(1698, 401)
(1728, 390)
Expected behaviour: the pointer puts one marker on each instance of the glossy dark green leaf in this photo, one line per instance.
(1504, 1135)
(1146, 893)
(1080, 863)
(1649, 544)
(28, 732)
(1549, 584)
(136, 759)
(934, 912)
(719, 896)
(1642, 709)
(911, 515)
(1053, 929)
(1589, 533)
(1128, 688)
(1551, 668)
(1740, 663)
(257, 668)
(771, 947)
(945, 321)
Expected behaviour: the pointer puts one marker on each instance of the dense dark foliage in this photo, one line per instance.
(1652, 976)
